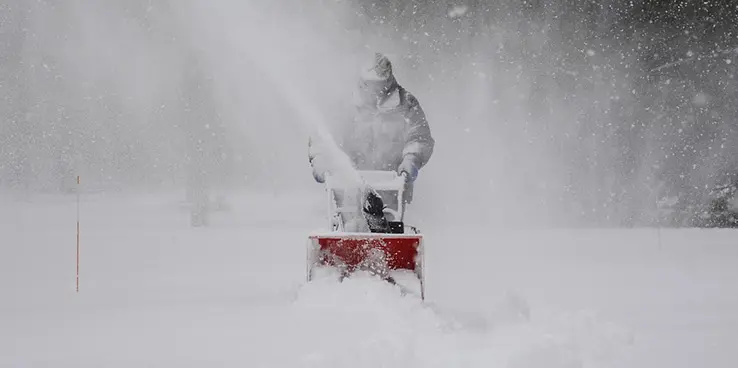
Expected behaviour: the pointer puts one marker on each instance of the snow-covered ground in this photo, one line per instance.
(155, 292)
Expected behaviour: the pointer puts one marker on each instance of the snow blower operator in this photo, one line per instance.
(388, 132)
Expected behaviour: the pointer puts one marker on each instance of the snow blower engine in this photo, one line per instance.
(368, 232)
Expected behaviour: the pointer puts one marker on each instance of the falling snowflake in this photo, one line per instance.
(457, 11)
(700, 99)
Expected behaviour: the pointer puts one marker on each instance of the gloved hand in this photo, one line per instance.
(373, 204)
(410, 166)
(320, 168)
(319, 175)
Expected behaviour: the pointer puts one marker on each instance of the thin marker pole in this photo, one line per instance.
(78, 233)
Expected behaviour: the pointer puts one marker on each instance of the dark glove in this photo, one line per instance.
(410, 166)
(374, 204)
(319, 176)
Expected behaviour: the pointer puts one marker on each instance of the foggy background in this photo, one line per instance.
(587, 113)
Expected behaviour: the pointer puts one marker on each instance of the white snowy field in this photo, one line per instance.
(155, 292)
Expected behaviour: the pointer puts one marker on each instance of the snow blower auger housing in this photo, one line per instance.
(391, 250)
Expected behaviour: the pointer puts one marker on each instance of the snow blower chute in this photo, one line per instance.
(368, 232)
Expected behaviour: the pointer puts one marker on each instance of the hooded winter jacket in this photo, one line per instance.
(388, 126)
(381, 135)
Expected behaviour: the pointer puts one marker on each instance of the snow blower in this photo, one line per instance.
(368, 231)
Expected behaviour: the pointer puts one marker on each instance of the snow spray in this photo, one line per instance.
(314, 121)
(353, 186)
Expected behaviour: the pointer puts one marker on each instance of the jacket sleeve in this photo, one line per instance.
(319, 151)
(419, 140)
(317, 156)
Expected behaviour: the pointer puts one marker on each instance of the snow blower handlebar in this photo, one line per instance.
(384, 181)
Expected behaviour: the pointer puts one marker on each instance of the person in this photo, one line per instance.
(388, 131)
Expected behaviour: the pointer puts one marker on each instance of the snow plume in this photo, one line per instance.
(301, 68)
(141, 94)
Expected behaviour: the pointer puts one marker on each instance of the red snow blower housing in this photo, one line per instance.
(368, 232)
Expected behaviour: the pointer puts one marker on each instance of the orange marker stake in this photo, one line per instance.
(78, 233)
